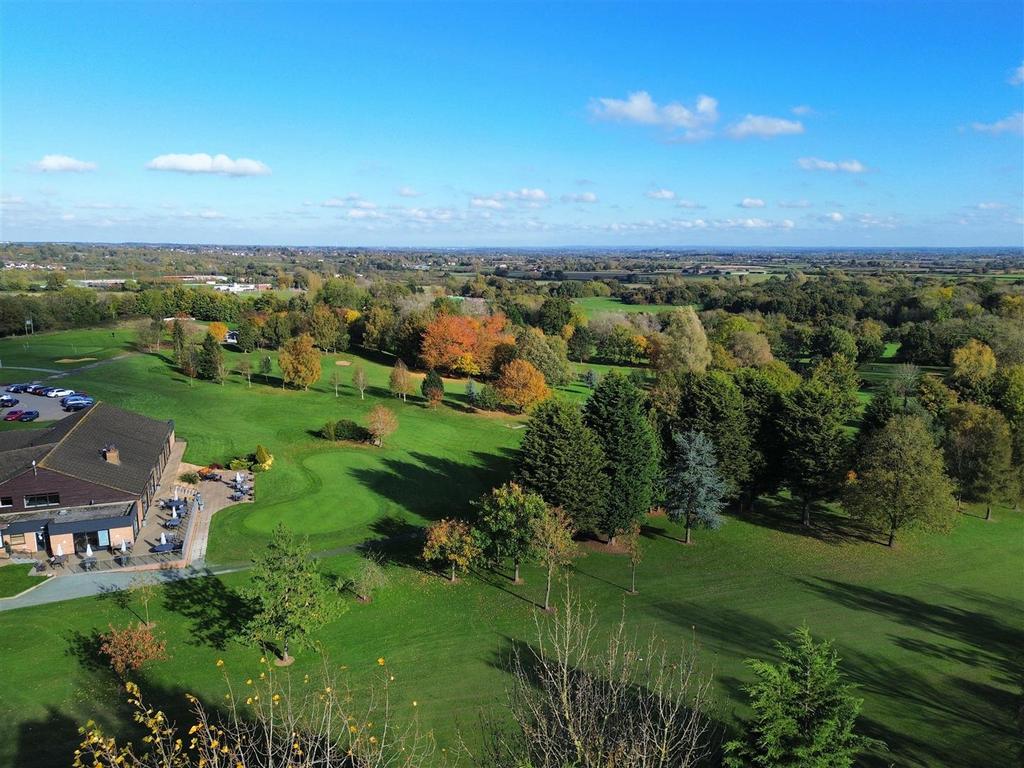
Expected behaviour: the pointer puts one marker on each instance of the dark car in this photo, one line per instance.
(8, 402)
(29, 416)
(36, 389)
(17, 389)
(13, 415)
(79, 405)
(44, 391)
(76, 396)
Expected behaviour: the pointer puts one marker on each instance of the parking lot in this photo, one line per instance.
(49, 407)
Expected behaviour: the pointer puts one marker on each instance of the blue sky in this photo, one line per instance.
(713, 123)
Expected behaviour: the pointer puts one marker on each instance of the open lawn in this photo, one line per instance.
(592, 305)
(931, 630)
(15, 579)
(60, 351)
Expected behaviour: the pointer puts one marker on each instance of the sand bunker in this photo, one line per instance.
(74, 360)
(342, 362)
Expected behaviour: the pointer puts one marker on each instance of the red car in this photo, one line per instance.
(13, 415)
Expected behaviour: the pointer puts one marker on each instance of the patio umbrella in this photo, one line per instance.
(88, 550)
(238, 478)
(163, 539)
(60, 550)
(124, 546)
(175, 493)
(174, 513)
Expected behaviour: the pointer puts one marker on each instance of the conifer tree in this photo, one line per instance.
(696, 489)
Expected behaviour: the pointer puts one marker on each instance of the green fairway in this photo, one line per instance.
(60, 351)
(16, 578)
(592, 305)
(930, 630)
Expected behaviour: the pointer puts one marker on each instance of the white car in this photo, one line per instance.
(60, 392)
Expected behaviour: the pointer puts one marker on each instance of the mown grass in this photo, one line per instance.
(15, 579)
(592, 305)
(930, 630)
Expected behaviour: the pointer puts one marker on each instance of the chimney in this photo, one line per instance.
(110, 453)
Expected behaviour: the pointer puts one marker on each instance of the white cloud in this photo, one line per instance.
(834, 216)
(1017, 77)
(661, 194)
(802, 110)
(204, 163)
(990, 206)
(581, 197)
(407, 192)
(209, 213)
(526, 196)
(365, 205)
(638, 107)
(845, 166)
(63, 164)
(751, 202)
(794, 204)
(363, 213)
(764, 127)
(1012, 124)
(689, 204)
(11, 200)
(486, 202)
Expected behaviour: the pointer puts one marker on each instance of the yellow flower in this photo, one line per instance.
(380, 661)
(373, 739)
(249, 681)
(414, 703)
(220, 662)
(277, 697)
(351, 729)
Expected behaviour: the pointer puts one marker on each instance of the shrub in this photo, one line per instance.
(129, 648)
(346, 429)
(370, 577)
(240, 463)
(263, 459)
(190, 478)
(488, 399)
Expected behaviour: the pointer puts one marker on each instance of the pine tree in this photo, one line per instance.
(432, 388)
(805, 713)
(815, 447)
(696, 489)
(616, 415)
(472, 392)
(179, 338)
(210, 363)
(561, 459)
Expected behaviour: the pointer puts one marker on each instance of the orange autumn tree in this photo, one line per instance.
(129, 648)
(522, 385)
(462, 344)
(218, 330)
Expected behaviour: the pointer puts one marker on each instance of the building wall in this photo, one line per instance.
(66, 542)
(28, 547)
(117, 534)
(73, 492)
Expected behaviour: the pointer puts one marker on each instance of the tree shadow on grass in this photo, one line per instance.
(218, 613)
(398, 542)
(827, 525)
(47, 741)
(434, 487)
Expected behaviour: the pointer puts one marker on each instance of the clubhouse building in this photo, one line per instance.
(85, 481)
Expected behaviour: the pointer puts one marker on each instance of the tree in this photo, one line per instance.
(751, 349)
(838, 374)
(266, 366)
(615, 414)
(591, 378)
(814, 444)
(979, 451)
(462, 343)
(248, 335)
(336, 379)
(130, 648)
(244, 368)
(369, 577)
(359, 380)
(380, 422)
(561, 459)
(432, 388)
(581, 345)
(211, 359)
(832, 340)
(218, 330)
(545, 353)
(148, 337)
(288, 594)
(400, 381)
(299, 360)
(805, 713)
(452, 543)
(324, 327)
(521, 385)
(974, 368)
(554, 314)
(696, 489)
(632, 542)
(179, 339)
(683, 345)
(900, 480)
(471, 391)
(504, 524)
(553, 544)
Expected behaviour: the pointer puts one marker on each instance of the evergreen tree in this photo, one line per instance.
(179, 338)
(432, 388)
(695, 487)
(472, 391)
(712, 403)
(591, 379)
(504, 524)
(805, 713)
(248, 335)
(901, 480)
(288, 593)
(814, 445)
(210, 363)
(616, 415)
(581, 344)
(561, 459)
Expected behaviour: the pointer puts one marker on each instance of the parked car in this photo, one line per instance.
(77, 399)
(17, 389)
(8, 402)
(75, 396)
(13, 415)
(231, 338)
(78, 405)
(34, 389)
(28, 416)
(59, 392)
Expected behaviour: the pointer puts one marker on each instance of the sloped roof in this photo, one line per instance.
(74, 446)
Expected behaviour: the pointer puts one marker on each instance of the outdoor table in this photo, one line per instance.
(40, 567)
(88, 563)
(58, 560)
(174, 503)
(172, 522)
(159, 549)
(123, 558)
